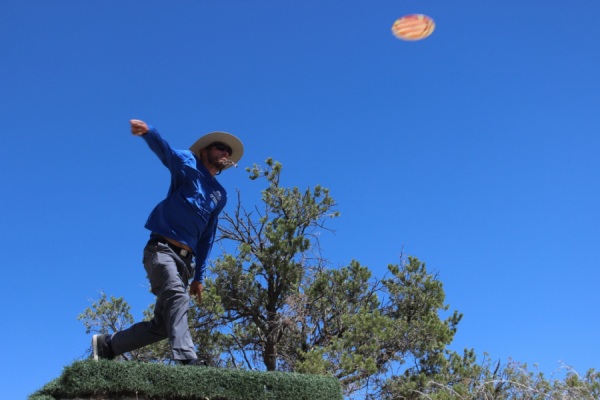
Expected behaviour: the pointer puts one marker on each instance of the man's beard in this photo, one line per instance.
(219, 163)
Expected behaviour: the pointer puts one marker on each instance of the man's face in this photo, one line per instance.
(217, 155)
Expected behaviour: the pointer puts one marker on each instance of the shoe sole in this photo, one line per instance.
(95, 347)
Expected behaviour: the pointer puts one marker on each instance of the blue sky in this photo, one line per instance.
(475, 150)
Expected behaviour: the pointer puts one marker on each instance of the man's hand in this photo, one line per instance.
(196, 289)
(138, 127)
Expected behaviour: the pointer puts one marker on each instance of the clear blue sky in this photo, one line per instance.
(475, 150)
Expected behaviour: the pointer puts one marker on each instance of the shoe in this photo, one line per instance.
(195, 362)
(101, 348)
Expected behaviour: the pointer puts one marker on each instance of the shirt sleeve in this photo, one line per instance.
(160, 147)
(204, 246)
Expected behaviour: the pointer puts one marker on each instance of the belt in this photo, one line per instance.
(178, 250)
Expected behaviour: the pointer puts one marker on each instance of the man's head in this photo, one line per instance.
(220, 150)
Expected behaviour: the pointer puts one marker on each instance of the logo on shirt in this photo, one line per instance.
(216, 197)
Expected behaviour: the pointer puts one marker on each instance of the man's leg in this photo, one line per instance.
(175, 314)
(137, 335)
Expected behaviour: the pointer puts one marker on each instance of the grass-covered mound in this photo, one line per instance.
(113, 379)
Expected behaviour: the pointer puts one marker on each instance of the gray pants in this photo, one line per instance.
(169, 274)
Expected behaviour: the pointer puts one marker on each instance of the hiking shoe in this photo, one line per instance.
(101, 348)
(195, 362)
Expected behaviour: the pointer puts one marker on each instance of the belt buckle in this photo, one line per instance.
(183, 252)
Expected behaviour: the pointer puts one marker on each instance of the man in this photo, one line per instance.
(183, 228)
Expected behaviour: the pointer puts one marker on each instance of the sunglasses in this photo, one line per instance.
(222, 147)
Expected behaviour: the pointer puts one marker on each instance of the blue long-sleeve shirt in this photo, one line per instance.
(190, 212)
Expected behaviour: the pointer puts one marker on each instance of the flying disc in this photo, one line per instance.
(413, 27)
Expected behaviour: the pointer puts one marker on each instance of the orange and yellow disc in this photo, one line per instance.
(413, 27)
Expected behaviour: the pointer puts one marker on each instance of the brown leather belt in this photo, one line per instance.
(154, 239)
